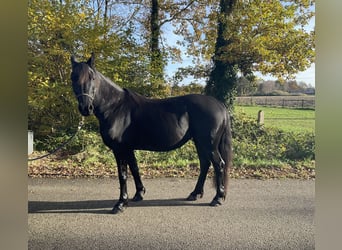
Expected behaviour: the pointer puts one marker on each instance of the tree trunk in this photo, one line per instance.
(155, 29)
(223, 77)
(105, 14)
(157, 64)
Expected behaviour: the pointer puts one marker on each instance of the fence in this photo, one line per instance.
(307, 102)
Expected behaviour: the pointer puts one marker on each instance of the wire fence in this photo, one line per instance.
(304, 102)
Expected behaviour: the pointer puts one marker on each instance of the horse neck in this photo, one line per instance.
(108, 95)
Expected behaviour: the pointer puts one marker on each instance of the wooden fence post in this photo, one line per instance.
(261, 117)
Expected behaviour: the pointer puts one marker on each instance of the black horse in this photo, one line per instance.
(129, 121)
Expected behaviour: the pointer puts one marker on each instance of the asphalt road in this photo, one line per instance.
(73, 214)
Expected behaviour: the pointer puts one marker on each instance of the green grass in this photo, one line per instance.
(294, 120)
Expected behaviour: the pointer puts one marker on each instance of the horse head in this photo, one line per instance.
(83, 77)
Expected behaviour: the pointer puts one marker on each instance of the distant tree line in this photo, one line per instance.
(269, 87)
(248, 88)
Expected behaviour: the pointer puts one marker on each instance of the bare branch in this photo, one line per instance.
(177, 14)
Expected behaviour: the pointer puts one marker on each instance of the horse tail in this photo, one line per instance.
(226, 151)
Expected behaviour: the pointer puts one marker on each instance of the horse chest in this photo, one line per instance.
(114, 132)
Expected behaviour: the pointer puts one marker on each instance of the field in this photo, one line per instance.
(295, 120)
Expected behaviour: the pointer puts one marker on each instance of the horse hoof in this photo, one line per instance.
(139, 195)
(194, 197)
(119, 208)
(116, 210)
(215, 202)
(191, 197)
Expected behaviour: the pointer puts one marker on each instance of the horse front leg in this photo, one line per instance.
(122, 172)
(133, 166)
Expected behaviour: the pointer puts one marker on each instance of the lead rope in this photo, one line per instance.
(80, 124)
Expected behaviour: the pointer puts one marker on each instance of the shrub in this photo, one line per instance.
(254, 142)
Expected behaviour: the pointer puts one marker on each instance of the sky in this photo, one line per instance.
(307, 76)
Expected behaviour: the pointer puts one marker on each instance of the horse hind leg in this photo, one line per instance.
(219, 165)
(222, 160)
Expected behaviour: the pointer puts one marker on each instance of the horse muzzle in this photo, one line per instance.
(86, 110)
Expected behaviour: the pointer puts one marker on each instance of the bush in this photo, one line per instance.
(254, 142)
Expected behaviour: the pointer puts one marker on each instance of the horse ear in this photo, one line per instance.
(91, 61)
(73, 61)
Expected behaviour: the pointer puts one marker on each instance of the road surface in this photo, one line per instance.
(73, 214)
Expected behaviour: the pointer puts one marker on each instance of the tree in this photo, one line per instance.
(146, 19)
(153, 20)
(164, 12)
(245, 87)
(157, 64)
(223, 76)
(272, 38)
(266, 87)
(51, 39)
(257, 35)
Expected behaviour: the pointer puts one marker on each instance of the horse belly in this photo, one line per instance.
(169, 133)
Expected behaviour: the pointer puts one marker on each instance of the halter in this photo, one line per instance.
(91, 97)
(84, 94)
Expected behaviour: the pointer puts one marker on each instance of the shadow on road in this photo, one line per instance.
(101, 206)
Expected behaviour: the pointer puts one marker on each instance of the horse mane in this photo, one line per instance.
(109, 81)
